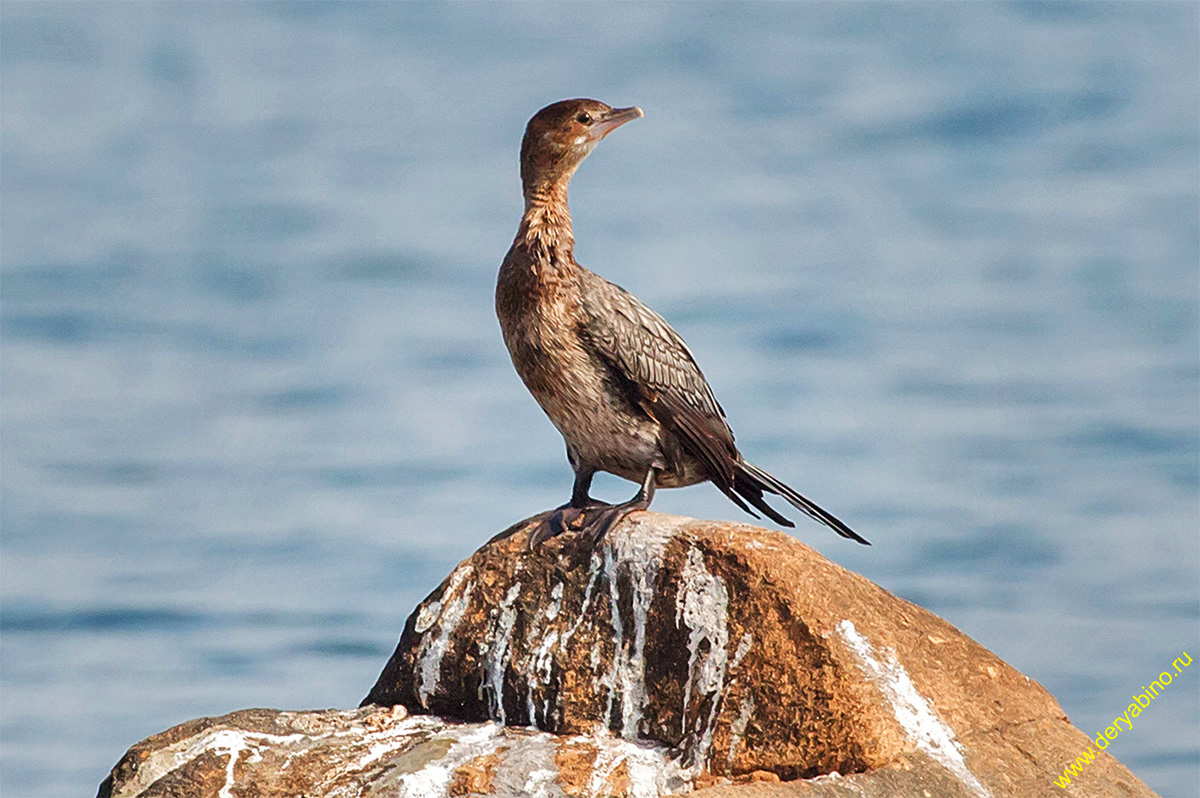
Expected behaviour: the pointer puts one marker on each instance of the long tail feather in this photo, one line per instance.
(736, 499)
(750, 482)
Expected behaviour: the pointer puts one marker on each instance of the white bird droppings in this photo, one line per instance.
(702, 605)
(233, 744)
(635, 550)
(737, 729)
(434, 777)
(496, 652)
(227, 742)
(449, 611)
(912, 711)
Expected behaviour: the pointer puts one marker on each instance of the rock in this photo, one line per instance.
(375, 752)
(744, 650)
(681, 655)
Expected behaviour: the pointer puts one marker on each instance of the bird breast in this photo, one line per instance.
(541, 321)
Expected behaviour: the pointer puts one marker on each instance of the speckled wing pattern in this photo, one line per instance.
(646, 353)
(669, 386)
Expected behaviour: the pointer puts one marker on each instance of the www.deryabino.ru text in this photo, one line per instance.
(1140, 703)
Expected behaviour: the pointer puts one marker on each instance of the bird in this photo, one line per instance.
(614, 377)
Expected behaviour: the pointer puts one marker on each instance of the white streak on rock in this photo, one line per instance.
(496, 653)
(386, 740)
(229, 742)
(652, 775)
(433, 779)
(537, 665)
(651, 772)
(608, 756)
(615, 673)
(541, 661)
(526, 762)
(742, 650)
(556, 602)
(450, 609)
(701, 605)
(528, 768)
(737, 729)
(426, 616)
(539, 782)
(635, 550)
(912, 711)
(594, 572)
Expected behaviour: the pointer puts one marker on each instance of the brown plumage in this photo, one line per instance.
(619, 384)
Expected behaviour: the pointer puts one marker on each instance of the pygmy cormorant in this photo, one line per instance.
(619, 384)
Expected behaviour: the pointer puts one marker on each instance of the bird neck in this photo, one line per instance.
(546, 224)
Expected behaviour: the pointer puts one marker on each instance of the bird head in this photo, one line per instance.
(561, 135)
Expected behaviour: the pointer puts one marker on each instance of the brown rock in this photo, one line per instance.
(764, 775)
(375, 753)
(745, 650)
(728, 659)
(475, 777)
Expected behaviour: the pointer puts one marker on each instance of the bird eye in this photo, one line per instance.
(584, 118)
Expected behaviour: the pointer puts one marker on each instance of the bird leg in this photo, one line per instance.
(580, 500)
(596, 525)
(570, 515)
(590, 518)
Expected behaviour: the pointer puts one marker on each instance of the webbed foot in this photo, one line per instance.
(593, 519)
(598, 523)
(564, 519)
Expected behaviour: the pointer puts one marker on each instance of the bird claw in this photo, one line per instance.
(593, 532)
(590, 524)
(565, 518)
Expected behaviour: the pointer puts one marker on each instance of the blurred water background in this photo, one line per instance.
(939, 262)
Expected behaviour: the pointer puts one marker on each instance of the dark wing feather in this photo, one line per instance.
(640, 345)
(653, 362)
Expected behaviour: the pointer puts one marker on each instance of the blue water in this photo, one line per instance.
(939, 262)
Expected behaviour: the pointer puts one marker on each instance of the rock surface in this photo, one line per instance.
(742, 648)
(681, 655)
(375, 752)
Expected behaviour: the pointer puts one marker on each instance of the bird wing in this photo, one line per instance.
(644, 351)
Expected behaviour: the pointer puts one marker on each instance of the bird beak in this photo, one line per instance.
(614, 119)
